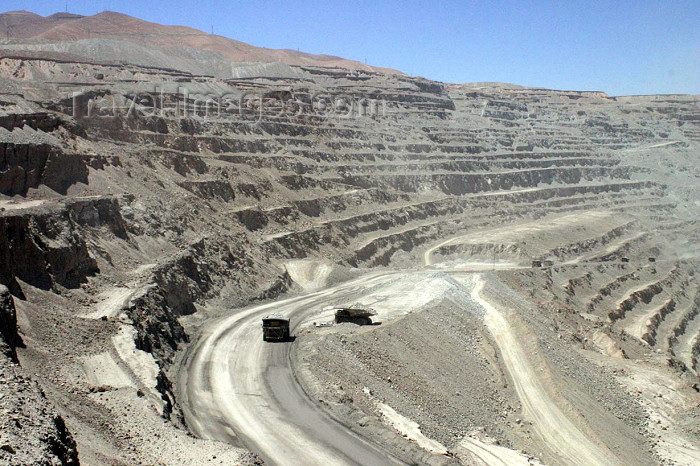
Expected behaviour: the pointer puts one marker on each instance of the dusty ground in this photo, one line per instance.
(523, 363)
(447, 381)
(533, 390)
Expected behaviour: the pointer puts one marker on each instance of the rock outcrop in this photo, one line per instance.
(43, 248)
(8, 325)
(26, 166)
(31, 431)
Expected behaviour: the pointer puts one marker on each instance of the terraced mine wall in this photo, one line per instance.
(184, 209)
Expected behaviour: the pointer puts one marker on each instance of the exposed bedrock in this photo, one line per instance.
(43, 249)
(643, 295)
(157, 330)
(42, 121)
(463, 183)
(195, 275)
(46, 245)
(26, 166)
(192, 277)
(102, 212)
(683, 327)
(183, 163)
(32, 430)
(170, 219)
(21, 167)
(253, 219)
(210, 189)
(8, 325)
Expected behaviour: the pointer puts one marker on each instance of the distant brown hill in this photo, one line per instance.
(112, 25)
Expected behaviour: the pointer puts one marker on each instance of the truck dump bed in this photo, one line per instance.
(355, 314)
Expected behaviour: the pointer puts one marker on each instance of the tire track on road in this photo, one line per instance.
(556, 429)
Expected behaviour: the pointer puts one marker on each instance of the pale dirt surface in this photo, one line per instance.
(663, 402)
(230, 388)
(120, 383)
(549, 428)
(555, 427)
(565, 436)
(478, 452)
(156, 441)
(228, 391)
(112, 302)
(578, 384)
(101, 370)
(367, 381)
(12, 205)
(410, 430)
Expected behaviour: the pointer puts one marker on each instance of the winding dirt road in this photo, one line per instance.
(238, 389)
(235, 388)
(556, 429)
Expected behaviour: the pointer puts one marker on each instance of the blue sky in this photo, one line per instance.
(621, 47)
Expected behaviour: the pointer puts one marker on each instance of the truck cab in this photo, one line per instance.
(275, 327)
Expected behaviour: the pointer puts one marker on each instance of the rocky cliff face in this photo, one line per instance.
(26, 166)
(31, 431)
(8, 325)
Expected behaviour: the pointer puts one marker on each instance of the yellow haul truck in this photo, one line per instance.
(275, 327)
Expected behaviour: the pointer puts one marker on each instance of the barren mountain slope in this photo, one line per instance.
(118, 26)
(136, 241)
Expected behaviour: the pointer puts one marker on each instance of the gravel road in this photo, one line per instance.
(557, 430)
(237, 388)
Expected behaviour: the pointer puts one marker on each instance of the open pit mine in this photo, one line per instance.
(530, 257)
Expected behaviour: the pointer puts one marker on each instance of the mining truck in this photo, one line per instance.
(355, 314)
(275, 327)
